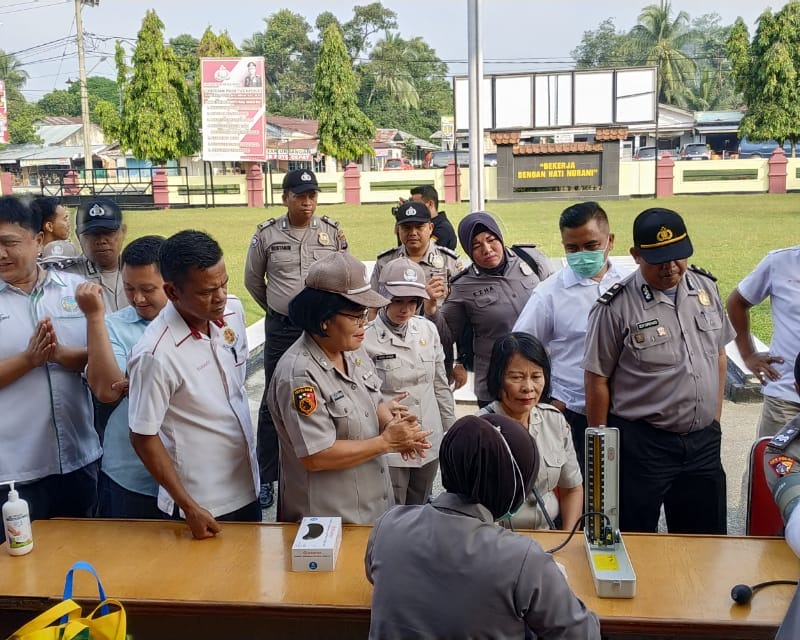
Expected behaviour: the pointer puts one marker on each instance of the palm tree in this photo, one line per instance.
(389, 66)
(11, 72)
(658, 40)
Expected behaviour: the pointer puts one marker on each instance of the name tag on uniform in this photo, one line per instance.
(280, 247)
(386, 356)
(645, 325)
(337, 396)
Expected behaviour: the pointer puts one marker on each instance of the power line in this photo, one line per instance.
(37, 6)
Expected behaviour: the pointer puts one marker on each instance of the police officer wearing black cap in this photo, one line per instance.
(101, 234)
(655, 368)
(280, 254)
(414, 228)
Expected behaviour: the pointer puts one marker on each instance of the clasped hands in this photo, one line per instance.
(403, 432)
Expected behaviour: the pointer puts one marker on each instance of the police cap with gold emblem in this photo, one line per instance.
(660, 236)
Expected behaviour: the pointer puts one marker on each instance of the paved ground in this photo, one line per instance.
(738, 428)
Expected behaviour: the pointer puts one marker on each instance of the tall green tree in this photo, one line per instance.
(289, 62)
(713, 87)
(345, 133)
(604, 47)
(160, 117)
(21, 114)
(11, 72)
(767, 72)
(367, 20)
(389, 66)
(660, 40)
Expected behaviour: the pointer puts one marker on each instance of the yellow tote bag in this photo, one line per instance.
(64, 621)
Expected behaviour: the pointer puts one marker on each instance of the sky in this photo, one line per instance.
(518, 35)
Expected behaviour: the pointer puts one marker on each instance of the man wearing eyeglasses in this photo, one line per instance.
(280, 254)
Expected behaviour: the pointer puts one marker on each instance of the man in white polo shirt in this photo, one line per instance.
(188, 408)
(48, 444)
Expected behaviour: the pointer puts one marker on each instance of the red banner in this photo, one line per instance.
(3, 114)
(233, 104)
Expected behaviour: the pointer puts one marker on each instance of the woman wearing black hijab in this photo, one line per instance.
(489, 295)
(445, 570)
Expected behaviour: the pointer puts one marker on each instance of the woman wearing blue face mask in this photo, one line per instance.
(457, 574)
(519, 379)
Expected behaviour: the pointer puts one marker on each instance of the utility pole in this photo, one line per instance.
(87, 139)
(476, 182)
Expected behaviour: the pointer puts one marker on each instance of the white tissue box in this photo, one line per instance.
(317, 544)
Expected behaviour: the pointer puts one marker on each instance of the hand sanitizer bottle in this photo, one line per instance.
(17, 524)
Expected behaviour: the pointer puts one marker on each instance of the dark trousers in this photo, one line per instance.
(71, 495)
(681, 471)
(578, 424)
(248, 513)
(280, 335)
(115, 501)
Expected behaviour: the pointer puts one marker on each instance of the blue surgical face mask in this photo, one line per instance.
(587, 264)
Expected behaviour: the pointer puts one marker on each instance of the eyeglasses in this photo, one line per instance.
(360, 319)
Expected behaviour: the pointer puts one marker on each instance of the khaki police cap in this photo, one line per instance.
(341, 273)
(403, 278)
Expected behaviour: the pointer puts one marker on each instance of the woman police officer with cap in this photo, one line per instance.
(326, 402)
(408, 357)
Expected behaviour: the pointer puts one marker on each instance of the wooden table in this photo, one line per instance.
(240, 583)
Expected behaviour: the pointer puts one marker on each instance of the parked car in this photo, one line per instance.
(440, 159)
(696, 151)
(649, 153)
(749, 149)
(397, 164)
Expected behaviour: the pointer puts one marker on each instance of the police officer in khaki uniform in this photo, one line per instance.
(414, 228)
(782, 471)
(325, 398)
(408, 357)
(655, 367)
(489, 294)
(278, 260)
(101, 234)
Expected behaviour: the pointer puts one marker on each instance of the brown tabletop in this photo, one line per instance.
(243, 577)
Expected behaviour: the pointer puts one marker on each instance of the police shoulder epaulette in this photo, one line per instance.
(330, 221)
(446, 251)
(266, 223)
(547, 407)
(612, 292)
(387, 252)
(522, 245)
(459, 274)
(702, 272)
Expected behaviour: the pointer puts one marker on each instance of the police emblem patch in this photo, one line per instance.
(781, 465)
(702, 297)
(254, 241)
(324, 239)
(305, 400)
(229, 335)
(525, 268)
(437, 261)
(68, 303)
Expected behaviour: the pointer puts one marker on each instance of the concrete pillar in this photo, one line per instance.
(6, 182)
(452, 183)
(665, 168)
(255, 186)
(352, 184)
(71, 187)
(777, 171)
(160, 189)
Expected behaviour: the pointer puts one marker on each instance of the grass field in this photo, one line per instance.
(730, 233)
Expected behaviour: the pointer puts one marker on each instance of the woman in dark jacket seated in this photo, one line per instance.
(446, 570)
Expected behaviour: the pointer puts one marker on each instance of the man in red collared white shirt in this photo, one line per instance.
(189, 414)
